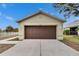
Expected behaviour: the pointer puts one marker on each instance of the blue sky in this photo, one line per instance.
(11, 12)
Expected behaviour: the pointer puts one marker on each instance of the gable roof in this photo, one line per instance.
(73, 24)
(40, 12)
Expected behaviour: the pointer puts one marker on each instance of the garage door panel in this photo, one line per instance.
(40, 32)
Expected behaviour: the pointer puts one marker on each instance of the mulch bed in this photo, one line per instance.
(15, 39)
(4, 47)
(71, 44)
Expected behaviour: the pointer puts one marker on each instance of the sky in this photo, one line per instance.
(12, 12)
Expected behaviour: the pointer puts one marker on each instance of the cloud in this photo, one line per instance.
(4, 5)
(9, 17)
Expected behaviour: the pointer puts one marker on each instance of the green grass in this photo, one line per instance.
(71, 38)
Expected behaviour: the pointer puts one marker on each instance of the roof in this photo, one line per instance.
(73, 24)
(40, 12)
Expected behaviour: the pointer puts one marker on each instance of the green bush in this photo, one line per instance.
(66, 32)
(77, 29)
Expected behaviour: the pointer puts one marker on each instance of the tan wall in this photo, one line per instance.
(60, 32)
(41, 20)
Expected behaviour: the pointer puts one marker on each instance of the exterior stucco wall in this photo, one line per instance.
(60, 32)
(21, 32)
(41, 20)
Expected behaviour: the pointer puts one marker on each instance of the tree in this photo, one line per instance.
(0, 30)
(9, 29)
(15, 30)
(67, 9)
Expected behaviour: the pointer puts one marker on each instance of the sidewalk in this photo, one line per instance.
(6, 41)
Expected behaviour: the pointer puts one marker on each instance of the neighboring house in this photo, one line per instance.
(41, 26)
(73, 27)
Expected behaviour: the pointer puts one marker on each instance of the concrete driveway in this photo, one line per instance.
(40, 48)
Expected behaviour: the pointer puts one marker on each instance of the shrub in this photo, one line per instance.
(66, 32)
(77, 29)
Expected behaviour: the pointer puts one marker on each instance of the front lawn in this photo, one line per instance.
(72, 41)
(71, 38)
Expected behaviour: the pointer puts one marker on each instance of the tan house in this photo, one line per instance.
(72, 27)
(41, 26)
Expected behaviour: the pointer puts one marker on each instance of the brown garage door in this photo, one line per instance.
(40, 32)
